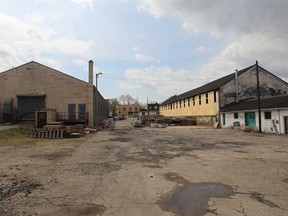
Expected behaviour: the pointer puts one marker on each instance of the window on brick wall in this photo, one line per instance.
(184, 104)
(207, 101)
(180, 104)
(189, 99)
(215, 96)
(193, 100)
(199, 99)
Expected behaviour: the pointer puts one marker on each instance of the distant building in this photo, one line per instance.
(127, 110)
(33, 86)
(153, 109)
(205, 102)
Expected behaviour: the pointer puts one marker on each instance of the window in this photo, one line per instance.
(215, 96)
(184, 102)
(82, 111)
(189, 102)
(199, 99)
(267, 115)
(71, 111)
(235, 115)
(180, 103)
(124, 108)
(193, 100)
(174, 105)
(171, 106)
(207, 98)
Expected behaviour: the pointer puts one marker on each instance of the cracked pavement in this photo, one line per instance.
(128, 171)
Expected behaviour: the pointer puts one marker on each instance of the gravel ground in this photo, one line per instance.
(147, 171)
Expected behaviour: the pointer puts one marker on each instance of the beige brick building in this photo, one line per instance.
(126, 110)
(33, 86)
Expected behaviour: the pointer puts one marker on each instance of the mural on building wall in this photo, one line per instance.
(247, 87)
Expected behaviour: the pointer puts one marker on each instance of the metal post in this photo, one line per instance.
(258, 95)
(97, 99)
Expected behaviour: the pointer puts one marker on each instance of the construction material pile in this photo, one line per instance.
(161, 121)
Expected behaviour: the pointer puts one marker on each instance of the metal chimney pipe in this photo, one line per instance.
(236, 85)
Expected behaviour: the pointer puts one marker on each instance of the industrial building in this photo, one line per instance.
(33, 86)
(204, 103)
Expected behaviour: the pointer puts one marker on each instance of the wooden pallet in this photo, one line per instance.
(47, 134)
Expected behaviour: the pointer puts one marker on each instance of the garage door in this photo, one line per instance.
(27, 106)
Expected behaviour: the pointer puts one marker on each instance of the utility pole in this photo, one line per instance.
(147, 107)
(258, 94)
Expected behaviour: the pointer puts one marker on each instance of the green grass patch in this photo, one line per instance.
(13, 133)
(15, 136)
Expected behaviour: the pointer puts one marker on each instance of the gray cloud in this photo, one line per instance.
(259, 29)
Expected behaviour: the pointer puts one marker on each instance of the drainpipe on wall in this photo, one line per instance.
(90, 95)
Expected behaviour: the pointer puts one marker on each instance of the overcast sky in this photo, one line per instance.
(146, 48)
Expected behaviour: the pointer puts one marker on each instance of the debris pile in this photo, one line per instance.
(161, 121)
(104, 124)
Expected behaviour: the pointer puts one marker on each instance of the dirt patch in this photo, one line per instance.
(15, 186)
(87, 210)
(286, 180)
(99, 168)
(49, 155)
(121, 139)
(153, 166)
(174, 177)
(231, 144)
(260, 198)
(240, 151)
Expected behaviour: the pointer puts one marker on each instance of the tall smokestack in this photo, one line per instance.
(91, 72)
(90, 95)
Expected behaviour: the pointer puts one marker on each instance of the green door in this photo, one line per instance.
(250, 119)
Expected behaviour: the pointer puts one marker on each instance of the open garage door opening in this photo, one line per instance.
(27, 106)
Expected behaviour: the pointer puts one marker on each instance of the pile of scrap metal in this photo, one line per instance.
(57, 132)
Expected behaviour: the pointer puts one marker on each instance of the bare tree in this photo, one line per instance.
(112, 105)
(127, 99)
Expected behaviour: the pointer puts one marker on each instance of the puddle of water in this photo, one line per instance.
(192, 199)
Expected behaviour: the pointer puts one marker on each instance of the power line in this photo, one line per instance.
(176, 80)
